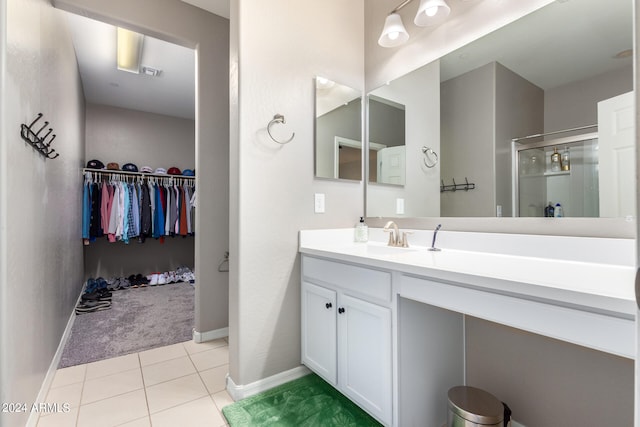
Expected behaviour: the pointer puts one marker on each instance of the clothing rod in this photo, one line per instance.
(538, 135)
(127, 173)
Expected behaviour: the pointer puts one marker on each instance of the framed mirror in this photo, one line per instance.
(516, 82)
(338, 131)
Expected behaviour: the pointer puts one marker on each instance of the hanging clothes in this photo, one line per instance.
(137, 209)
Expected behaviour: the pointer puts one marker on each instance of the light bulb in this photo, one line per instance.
(393, 35)
(431, 11)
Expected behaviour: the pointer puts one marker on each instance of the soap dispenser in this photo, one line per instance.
(361, 233)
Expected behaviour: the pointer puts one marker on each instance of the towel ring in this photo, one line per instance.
(426, 151)
(279, 118)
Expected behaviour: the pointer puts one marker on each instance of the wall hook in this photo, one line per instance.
(279, 118)
(39, 143)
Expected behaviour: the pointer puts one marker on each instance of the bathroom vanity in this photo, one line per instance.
(385, 325)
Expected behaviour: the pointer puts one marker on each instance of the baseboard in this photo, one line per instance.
(210, 335)
(238, 392)
(53, 367)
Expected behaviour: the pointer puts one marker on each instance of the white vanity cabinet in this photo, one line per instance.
(346, 331)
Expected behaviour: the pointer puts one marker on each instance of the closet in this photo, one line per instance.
(144, 139)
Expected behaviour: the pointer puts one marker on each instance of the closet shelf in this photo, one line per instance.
(136, 174)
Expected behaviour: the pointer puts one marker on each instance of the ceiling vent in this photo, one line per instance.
(149, 71)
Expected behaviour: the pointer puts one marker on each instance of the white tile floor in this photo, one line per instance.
(181, 384)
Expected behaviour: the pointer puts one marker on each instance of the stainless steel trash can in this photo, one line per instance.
(473, 407)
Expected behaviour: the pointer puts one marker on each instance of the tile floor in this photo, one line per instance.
(181, 384)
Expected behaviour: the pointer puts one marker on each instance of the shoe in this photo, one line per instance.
(91, 285)
(154, 279)
(91, 306)
(172, 277)
(113, 284)
(96, 296)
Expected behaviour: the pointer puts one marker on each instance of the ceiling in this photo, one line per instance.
(171, 93)
(563, 42)
(594, 35)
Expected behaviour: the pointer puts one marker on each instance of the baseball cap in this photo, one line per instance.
(95, 164)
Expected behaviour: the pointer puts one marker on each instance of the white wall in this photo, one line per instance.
(277, 48)
(419, 92)
(40, 203)
(181, 23)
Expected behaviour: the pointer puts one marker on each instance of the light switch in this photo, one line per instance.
(399, 206)
(318, 203)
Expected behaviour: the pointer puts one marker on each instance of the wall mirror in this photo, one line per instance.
(519, 81)
(338, 131)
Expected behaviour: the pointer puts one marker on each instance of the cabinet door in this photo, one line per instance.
(319, 331)
(364, 358)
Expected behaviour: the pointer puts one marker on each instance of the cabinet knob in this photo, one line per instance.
(328, 305)
(341, 310)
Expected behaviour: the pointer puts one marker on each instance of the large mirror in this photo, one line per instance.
(565, 66)
(338, 131)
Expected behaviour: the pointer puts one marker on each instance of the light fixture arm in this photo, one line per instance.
(400, 6)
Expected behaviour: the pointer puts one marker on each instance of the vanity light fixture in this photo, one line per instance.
(430, 12)
(393, 34)
(129, 50)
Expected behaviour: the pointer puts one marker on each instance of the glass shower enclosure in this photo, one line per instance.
(561, 171)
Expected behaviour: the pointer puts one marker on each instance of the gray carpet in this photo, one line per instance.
(139, 319)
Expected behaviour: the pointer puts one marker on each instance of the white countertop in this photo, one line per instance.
(588, 285)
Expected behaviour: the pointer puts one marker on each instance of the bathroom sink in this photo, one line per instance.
(383, 249)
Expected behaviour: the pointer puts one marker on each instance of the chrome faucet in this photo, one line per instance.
(394, 236)
(433, 242)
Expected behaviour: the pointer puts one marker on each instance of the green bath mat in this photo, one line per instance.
(308, 401)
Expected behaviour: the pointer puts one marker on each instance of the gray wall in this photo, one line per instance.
(40, 201)
(344, 121)
(145, 139)
(495, 105)
(547, 382)
(575, 104)
(468, 151)
(519, 111)
(386, 123)
(178, 22)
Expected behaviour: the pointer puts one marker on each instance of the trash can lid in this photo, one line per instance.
(475, 405)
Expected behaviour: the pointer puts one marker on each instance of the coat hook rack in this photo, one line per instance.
(42, 144)
(455, 187)
(278, 118)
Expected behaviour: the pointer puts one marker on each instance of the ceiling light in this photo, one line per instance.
(393, 33)
(431, 12)
(129, 50)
